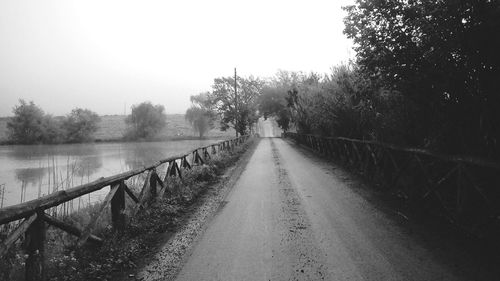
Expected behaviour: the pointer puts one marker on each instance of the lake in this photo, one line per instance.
(27, 172)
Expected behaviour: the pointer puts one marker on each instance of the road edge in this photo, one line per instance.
(176, 250)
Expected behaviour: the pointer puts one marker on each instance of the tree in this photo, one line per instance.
(339, 103)
(238, 112)
(272, 102)
(199, 119)
(443, 58)
(145, 121)
(200, 115)
(51, 128)
(289, 96)
(30, 125)
(80, 125)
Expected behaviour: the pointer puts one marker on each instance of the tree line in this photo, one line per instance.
(31, 125)
(425, 75)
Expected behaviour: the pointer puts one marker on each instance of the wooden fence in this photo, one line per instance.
(463, 190)
(35, 218)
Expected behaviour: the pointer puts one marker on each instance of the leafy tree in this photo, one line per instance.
(30, 125)
(26, 125)
(200, 115)
(202, 100)
(52, 132)
(241, 114)
(339, 103)
(145, 121)
(80, 125)
(443, 58)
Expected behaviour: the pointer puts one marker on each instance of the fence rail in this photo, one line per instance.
(35, 217)
(464, 190)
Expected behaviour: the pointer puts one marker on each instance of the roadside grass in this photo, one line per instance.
(121, 251)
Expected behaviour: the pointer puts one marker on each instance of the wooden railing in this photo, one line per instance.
(463, 190)
(34, 215)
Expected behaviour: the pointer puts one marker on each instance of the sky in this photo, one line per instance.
(108, 55)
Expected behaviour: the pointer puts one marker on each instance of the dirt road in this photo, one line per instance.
(291, 216)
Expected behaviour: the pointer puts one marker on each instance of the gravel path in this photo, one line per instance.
(292, 216)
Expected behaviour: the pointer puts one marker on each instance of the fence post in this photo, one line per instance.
(35, 248)
(198, 160)
(206, 155)
(118, 208)
(185, 163)
(152, 183)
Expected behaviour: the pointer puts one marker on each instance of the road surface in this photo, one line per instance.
(291, 216)
(268, 128)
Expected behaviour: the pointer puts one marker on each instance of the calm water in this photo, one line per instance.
(28, 172)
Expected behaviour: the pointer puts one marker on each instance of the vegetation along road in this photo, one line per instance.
(292, 216)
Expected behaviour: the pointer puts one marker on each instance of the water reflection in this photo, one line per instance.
(142, 155)
(23, 152)
(31, 175)
(87, 166)
(32, 171)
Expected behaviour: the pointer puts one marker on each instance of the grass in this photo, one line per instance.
(112, 127)
(121, 251)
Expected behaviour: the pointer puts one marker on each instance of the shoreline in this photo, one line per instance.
(121, 140)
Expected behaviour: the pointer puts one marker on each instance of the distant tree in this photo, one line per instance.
(52, 132)
(202, 100)
(241, 114)
(80, 125)
(273, 103)
(199, 119)
(30, 125)
(201, 115)
(145, 121)
(26, 125)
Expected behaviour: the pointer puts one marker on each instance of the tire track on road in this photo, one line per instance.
(297, 239)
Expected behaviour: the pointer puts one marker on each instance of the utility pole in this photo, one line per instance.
(236, 102)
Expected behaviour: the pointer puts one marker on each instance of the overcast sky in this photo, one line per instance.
(108, 55)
